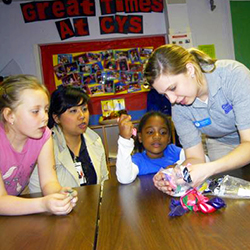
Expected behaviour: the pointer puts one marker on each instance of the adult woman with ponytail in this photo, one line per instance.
(210, 97)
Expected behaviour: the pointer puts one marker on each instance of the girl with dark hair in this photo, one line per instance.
(79, 152)
(152, 146)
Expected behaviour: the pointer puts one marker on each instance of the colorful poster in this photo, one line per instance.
(102, 73)
(109, 106)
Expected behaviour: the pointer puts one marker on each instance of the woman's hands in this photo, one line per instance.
(125, 126)
(61, 203)
(198, 172)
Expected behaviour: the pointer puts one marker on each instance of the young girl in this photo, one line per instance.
(25, 141)
(79, 152)
(153, 144)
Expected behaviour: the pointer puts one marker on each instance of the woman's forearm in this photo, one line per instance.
(238, 157)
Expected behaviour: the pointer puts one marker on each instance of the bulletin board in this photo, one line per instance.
(104, 72)
(104, 78)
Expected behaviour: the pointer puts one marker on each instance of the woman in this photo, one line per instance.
(79, 152)
(207, 96)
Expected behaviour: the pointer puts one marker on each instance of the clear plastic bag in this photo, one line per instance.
(230, 187)
(172, 175)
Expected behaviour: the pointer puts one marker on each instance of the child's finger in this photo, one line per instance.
(122, 117)
(127, 118)
(159, 176)
(134, 131)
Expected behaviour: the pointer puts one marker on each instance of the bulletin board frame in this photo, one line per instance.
(135, 109)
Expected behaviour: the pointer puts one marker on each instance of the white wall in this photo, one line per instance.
(18, 39)
(212, 27)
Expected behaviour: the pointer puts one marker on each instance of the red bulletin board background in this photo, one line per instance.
(135, 102)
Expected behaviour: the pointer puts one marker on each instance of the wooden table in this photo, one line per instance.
(45, 231)
(131, 216)
(136, 217)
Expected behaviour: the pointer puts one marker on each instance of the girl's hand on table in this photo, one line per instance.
(61, 203)
(72, 193)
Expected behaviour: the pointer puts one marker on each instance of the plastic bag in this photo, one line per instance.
(230, 187)
(172, 175)
(178, 172)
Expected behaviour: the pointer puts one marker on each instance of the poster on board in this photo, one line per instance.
(102, 73)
